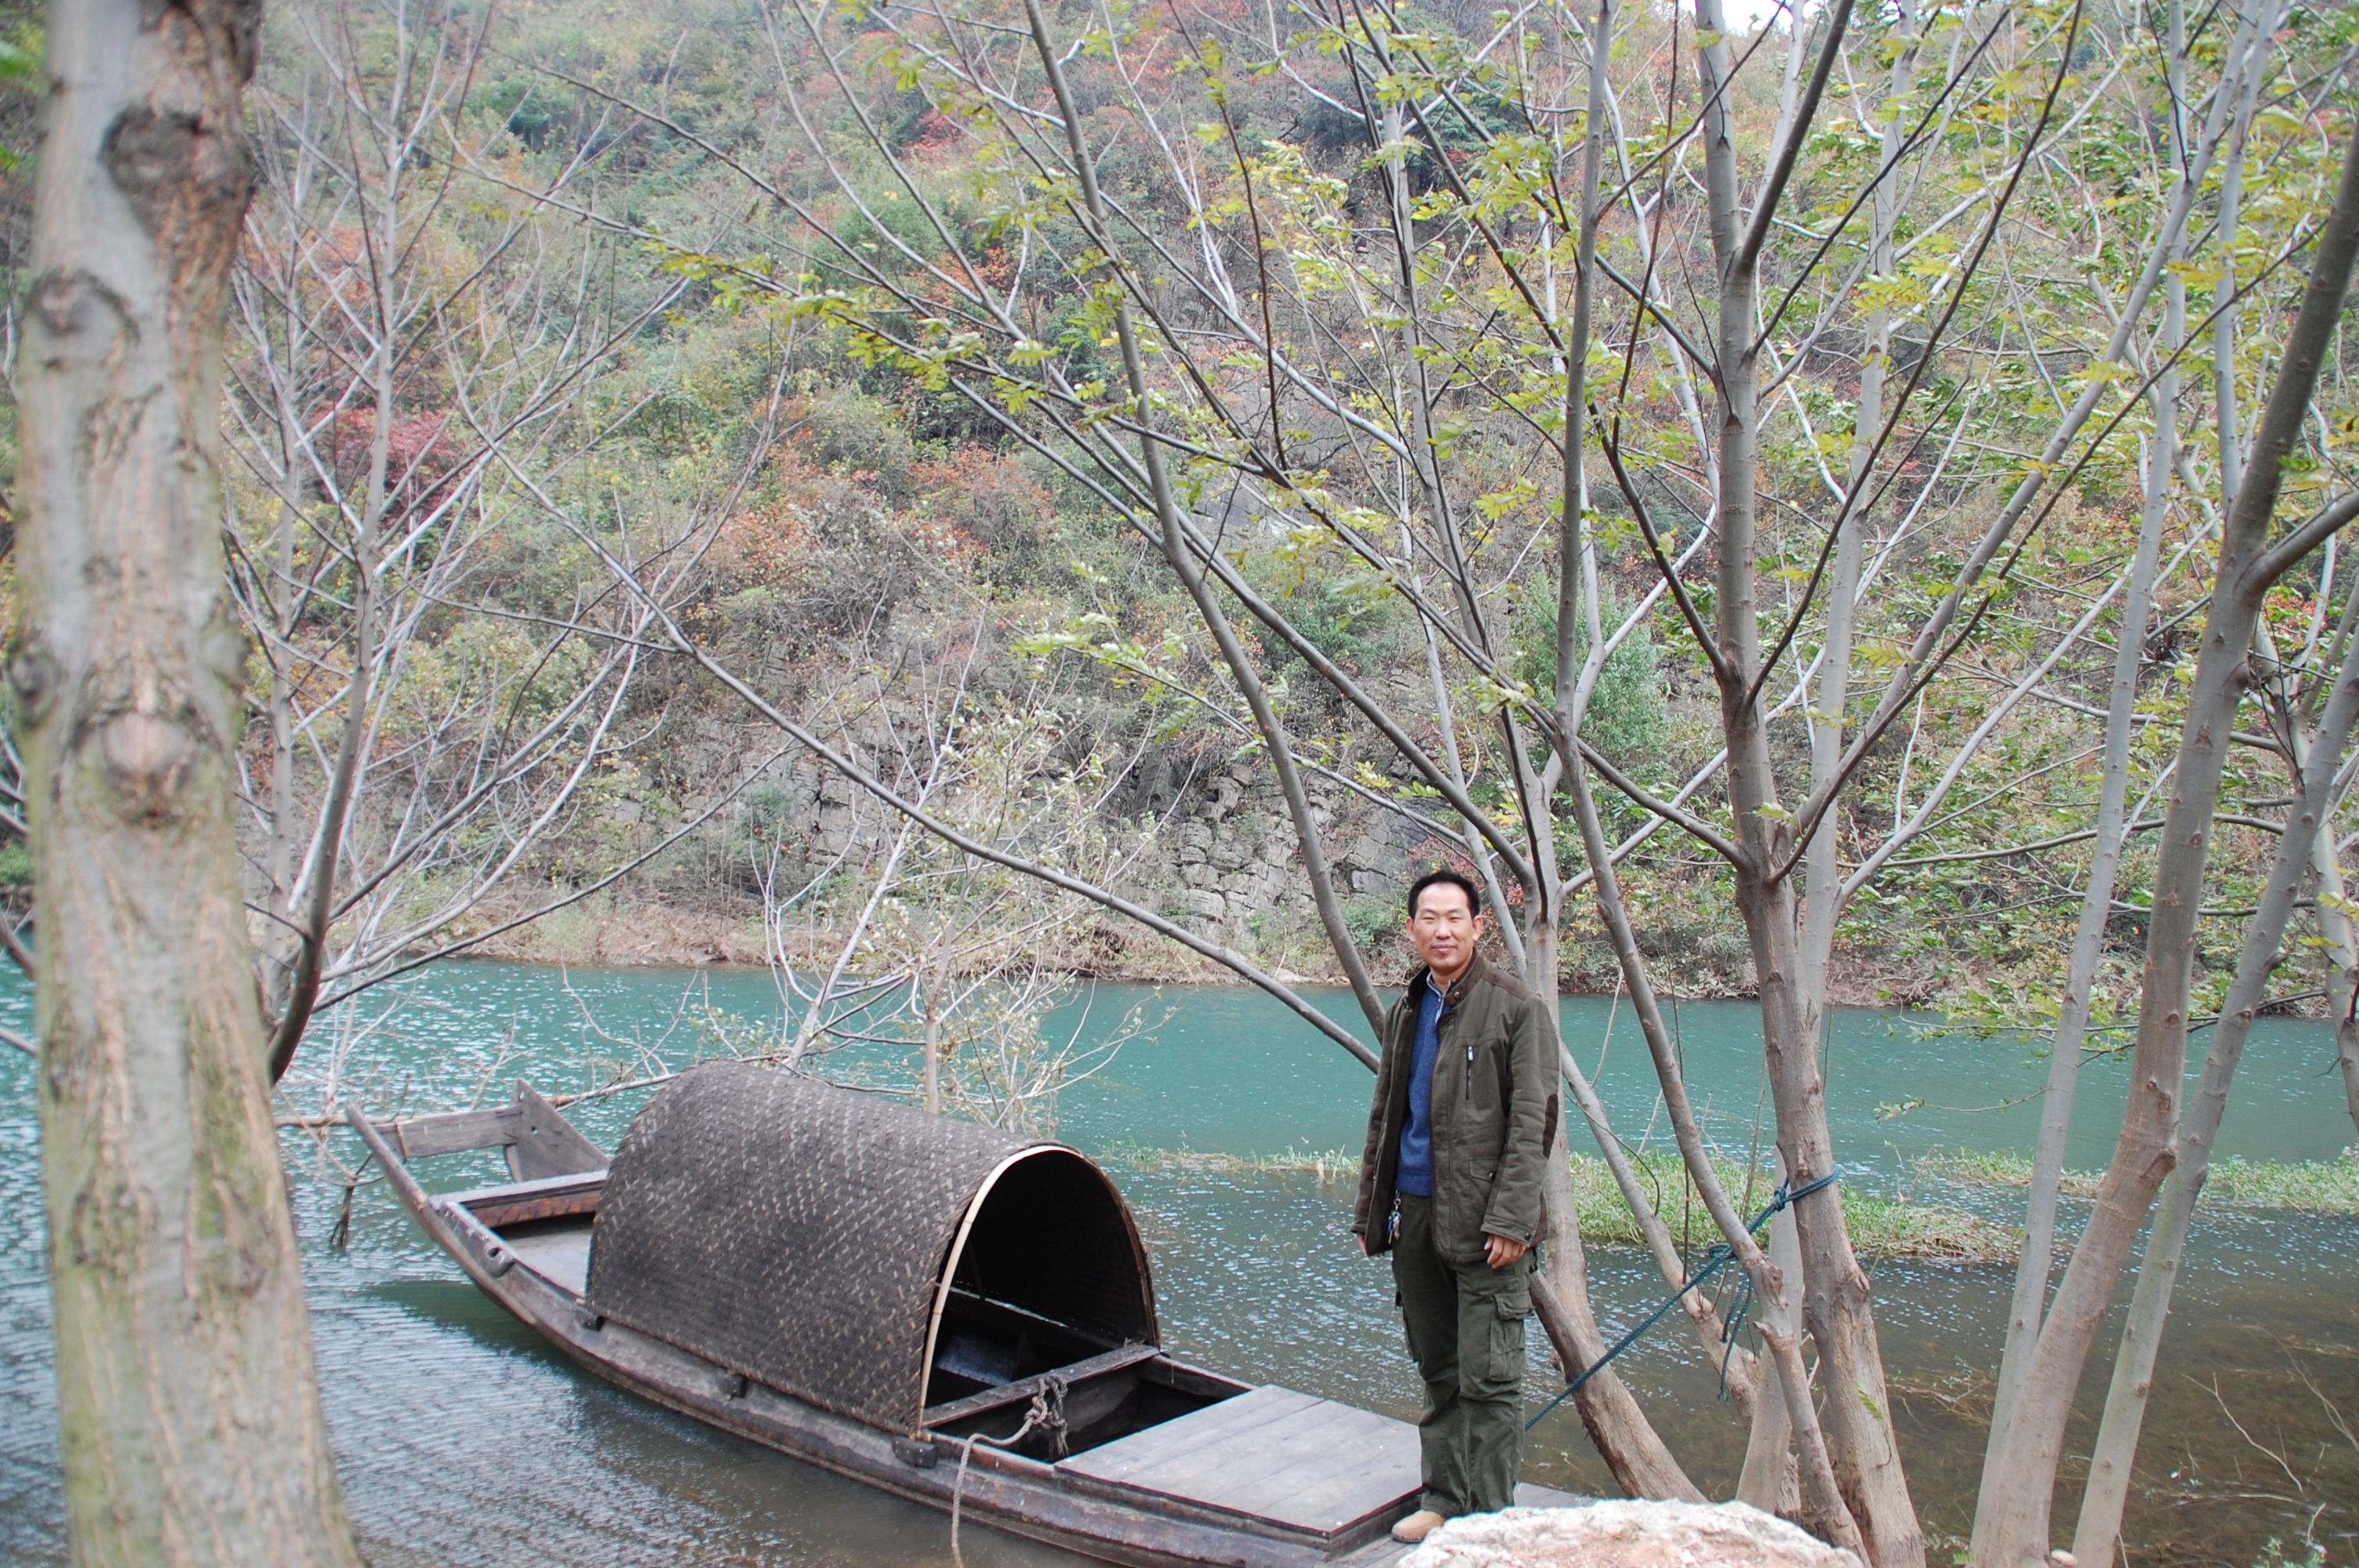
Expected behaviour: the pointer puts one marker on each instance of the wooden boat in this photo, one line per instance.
(925, 1305)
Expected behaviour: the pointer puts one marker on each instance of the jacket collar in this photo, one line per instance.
(1456, 993)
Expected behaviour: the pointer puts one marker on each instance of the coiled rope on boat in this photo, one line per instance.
(1719, 1258)
(1047, 1414)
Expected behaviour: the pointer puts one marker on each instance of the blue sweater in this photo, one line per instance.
(1416, 1176)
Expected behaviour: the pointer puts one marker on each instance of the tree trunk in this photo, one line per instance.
(2012, 1531)
(2037, 1259)
(1789, 1382)
(2107, 1493)
(188, 1411)
(2346, 1043)
(1740, 1368)
(1173, 537)
(1857, 1419)
(1770, 1481)
(933, 985)
(1822, 878)
(1643, 1465)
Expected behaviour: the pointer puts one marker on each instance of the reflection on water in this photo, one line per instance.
(465, 1441)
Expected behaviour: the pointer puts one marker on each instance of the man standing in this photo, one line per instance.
(1450, 1183)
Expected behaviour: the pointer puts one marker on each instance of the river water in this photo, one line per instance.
(463, 1440)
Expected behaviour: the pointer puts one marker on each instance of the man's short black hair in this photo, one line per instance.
(1450, 876)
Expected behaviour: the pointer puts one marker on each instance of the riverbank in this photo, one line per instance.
(631, 932)
(1881, 1229)
(2310, 1186)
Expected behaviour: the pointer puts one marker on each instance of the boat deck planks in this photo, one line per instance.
(1204, 1431)
(559, 1254)
(1289, 1458)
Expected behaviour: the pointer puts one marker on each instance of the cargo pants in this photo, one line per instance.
(1466, 1332)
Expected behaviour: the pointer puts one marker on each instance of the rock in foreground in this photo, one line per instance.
(1626, 1535)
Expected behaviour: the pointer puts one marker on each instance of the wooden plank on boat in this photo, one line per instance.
(453, 1132)
(1375, 1455)
(559, 1254)
(580, 1204)
(1024, 1388)
(1283, 1457)
(551, 1197)
(1199, 1433)
(546, 1144)
(1242, 1463)
(517, 1191)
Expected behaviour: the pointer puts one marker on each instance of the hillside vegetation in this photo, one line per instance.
(590, 304)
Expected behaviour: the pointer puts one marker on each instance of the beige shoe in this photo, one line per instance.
(1418, 1525)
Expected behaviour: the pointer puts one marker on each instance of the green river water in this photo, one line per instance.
(463, 1441)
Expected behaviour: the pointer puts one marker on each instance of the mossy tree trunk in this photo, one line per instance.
(188, 1408)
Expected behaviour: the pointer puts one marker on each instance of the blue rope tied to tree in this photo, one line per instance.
(1732, 1327)
(1719, 1258)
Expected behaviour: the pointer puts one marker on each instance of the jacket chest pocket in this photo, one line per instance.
(1479, 1085)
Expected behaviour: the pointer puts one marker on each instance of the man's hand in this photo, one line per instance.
(1503, 1251)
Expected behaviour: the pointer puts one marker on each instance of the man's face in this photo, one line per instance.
(1443, 929)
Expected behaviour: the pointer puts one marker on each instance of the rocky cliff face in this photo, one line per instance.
(1220, 858)
(1232, 849)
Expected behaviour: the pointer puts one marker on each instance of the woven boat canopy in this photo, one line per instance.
(809, 1237)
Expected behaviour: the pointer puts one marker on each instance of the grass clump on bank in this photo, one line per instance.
(1880, 1227)
(2315, 1187)
(1327, 1164)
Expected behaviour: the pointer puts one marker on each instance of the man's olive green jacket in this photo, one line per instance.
(1493, 1111)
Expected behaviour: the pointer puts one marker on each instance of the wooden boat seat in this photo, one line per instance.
(1021, 1390)
(536, 1139)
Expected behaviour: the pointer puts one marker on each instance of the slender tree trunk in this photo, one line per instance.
(1857, 1420)
(2334, 923)
(1642, 1464)
(2225, 303)
(2037, 1258)
(1579, 606)
(1823, 881)
(2012, 1531)
(1873, 1486)
(2342, 942)
(383, 238)
(933, 984)
(2346, 1042)
(279, 600)
(189, 1412)
(1792, 1382)
(1770, 1481)
(2107, 1492)
(1740, 1366)
(1822, 877)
